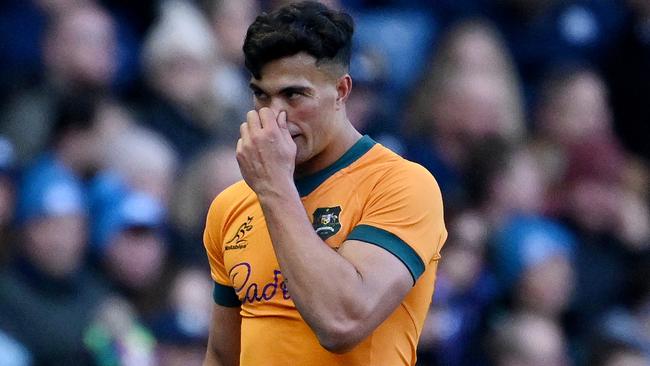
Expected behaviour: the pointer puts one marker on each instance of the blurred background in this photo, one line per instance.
(118, 124)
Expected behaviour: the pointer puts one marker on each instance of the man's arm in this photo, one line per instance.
(343, 296)
(225, 337)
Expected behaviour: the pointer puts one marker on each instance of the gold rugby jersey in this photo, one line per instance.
(369, 194)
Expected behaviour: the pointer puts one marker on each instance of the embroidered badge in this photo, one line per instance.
(326, 221)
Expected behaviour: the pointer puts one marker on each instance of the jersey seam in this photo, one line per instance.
(413, 323)
(220, 249)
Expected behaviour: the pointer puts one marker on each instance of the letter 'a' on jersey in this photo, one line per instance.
(370, 194)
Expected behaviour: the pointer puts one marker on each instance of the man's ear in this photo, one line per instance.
(343, 89)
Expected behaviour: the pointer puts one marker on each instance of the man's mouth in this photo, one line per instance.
(294, 132)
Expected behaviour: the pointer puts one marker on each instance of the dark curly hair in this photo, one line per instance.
(306, 26)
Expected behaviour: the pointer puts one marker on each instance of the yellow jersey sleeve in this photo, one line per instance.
(223, 293)
(403, 214)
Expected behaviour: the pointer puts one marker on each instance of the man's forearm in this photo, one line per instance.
(325, 287)
(225, 337)
(211, 359)
(215, 358)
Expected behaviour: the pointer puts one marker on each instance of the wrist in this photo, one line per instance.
(279, 195)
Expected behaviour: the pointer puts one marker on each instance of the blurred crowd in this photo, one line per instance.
(118, 124)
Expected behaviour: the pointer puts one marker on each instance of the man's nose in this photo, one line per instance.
(277, 105)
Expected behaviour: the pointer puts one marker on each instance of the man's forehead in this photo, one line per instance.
(278, 81)
(296, 70)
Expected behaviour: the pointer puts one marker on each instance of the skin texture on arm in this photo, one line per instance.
(342, 295)
(225, 337)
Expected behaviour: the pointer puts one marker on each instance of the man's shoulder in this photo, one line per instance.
(391, 167)
(237, 191)
(236, 195)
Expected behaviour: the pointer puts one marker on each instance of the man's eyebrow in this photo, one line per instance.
(286, 90)
(254, 87)
(294, 89)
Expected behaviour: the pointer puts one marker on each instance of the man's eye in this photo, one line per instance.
(258, 94)
(293, 95)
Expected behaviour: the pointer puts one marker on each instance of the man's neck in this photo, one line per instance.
(338, 146)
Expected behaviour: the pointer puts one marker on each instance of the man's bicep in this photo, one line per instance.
(404, 214)
(225, 337)
(386, 278)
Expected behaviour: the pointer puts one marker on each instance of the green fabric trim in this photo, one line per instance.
(225, 296)
(308, 184)
(391, 243)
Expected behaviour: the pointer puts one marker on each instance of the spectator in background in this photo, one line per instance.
(527, 339)
(532, 255)
(505, 181)
(79, 53)
(47, 298)
(228, 20)
(143, 160)
(403, 36)
(469, 94)
(117, 336)
(182, 329)
(7, 198)
(132, 249)
(599, 198)
(22, 24)
(128, 200)
(202, 180)
(75, 144)
(541, 34)
(366, 108)
(581, 129)
(534, 259)
(504, 184)
(465, 291)
(179, 57)
(368, 70)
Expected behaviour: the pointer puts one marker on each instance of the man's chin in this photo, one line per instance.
(301, 156)
(300, 159)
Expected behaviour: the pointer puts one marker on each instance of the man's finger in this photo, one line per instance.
(267, 117)
(282, 123)
(282, 120)
(253, 119)
(240, 149)
(239, 144)
(243, 131)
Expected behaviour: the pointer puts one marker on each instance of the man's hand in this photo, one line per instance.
(266, 152)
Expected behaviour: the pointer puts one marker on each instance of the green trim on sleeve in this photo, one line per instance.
(391, 243)
(225, 296)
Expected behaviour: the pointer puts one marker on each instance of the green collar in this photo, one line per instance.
(308, 184)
